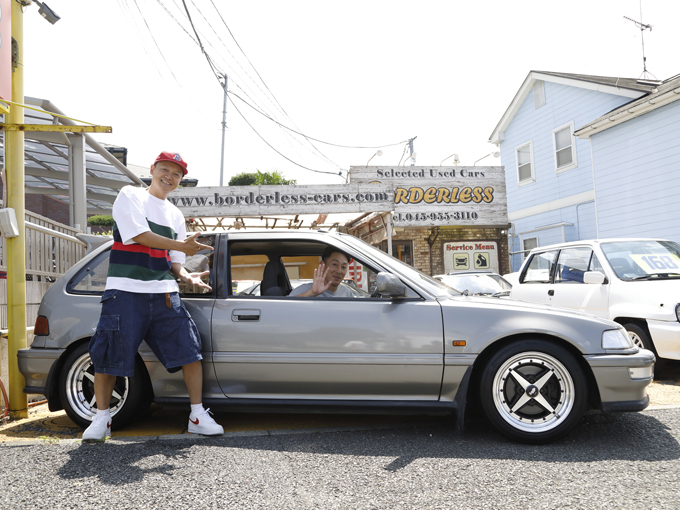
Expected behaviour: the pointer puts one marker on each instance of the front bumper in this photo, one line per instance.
(35, 365)
(622, 380)
(666, 338)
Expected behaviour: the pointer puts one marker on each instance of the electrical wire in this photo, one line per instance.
(217, 76)
(274, 149)
(312, 138)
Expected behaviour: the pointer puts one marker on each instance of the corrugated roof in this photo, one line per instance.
(661, 94)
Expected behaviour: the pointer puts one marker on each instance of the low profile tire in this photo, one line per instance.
(533, 391)
(130, 399)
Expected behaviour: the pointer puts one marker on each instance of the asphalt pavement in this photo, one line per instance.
(627, 461)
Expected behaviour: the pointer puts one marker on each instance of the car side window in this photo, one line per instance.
(595, 265)
(201, 262)
(540, 267)
(571, 264)
(92, 278)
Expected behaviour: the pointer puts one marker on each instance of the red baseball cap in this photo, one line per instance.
(173, 157)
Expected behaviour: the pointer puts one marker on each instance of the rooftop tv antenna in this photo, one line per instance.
(646, 75)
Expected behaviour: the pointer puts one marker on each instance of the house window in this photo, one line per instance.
(525, 163)
(563, 143)
(529, 244)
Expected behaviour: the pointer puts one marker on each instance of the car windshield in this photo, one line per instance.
(432, 285)
(482, 284)
(643, 260)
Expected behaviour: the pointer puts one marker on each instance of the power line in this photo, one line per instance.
(217, 76)
(316, 139)
(155, 42)
(274, 149)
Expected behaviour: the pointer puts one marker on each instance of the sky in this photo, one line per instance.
(357, 73)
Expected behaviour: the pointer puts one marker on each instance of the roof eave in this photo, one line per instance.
(534, 76)
(628, 113)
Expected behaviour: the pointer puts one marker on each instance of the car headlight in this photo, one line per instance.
(616, 339)
(677, 312)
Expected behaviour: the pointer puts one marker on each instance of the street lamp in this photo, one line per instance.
(455, 159)
(495, 155)
(379, 152)
(47, 13)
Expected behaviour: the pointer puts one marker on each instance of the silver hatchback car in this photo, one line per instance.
(412, 344)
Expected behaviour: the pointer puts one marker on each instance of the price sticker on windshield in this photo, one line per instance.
(669, 263)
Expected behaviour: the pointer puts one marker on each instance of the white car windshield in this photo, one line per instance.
(643, 260)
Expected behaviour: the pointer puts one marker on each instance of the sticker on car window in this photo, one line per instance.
(658, 263)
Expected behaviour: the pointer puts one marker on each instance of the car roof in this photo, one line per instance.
(593, 242)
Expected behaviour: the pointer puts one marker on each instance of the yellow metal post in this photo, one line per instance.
(16, 251)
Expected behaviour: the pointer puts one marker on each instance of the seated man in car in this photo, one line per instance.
(327, 277)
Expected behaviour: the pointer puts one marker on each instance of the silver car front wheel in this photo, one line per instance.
(534, 391)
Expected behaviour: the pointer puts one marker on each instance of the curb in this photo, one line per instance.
(195, 438)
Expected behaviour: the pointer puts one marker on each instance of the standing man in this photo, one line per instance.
(141, 300)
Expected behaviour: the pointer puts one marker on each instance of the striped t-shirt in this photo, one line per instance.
(137, 268)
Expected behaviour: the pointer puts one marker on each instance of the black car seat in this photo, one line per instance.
(274, 279)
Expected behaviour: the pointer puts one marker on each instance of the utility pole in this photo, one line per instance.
(410, 147)
(16, 252)
(224, 128)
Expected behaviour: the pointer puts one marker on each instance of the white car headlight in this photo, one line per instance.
(616, 339)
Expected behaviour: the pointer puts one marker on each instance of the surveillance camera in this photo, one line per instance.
(47, 13)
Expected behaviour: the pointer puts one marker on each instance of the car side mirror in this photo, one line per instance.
(390, 286)
(593, 277)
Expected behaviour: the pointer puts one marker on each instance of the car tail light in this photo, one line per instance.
(42, 326)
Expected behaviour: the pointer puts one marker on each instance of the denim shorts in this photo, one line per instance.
(128, 318)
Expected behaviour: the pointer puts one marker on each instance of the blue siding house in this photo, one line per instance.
(590, 157)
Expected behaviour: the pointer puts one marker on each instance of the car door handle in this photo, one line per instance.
(551, 292)
(245, 315)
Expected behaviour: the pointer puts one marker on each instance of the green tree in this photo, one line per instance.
(243, 179)
(260, 179)
(101, 220)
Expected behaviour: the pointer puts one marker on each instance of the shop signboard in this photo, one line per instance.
(430, 196)
(5, 52)
(268, 200)
(471, 256)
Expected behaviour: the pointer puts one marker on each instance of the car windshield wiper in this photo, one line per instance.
(655, 275)
(501, 293)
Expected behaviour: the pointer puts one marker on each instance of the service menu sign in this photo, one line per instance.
(430, 196)
(471, 256)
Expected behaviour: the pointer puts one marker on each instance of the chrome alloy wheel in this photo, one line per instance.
(80, 389)
(533, 392)
(637, 341)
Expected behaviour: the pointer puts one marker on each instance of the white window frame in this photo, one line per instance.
(524, 248)
(573, 163)
(530, 143)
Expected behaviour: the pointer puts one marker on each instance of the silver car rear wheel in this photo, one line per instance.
(533, 391)
(131, 395)
(80, 389)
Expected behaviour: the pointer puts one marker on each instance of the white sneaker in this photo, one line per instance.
(99, 429)
(202, 423)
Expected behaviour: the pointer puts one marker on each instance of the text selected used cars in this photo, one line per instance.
(412, 345)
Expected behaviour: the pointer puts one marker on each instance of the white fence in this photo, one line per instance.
(51, 249)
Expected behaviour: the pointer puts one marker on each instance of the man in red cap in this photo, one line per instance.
(141, 299)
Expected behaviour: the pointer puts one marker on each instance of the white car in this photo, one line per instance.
(635, 282)
(477, 283)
